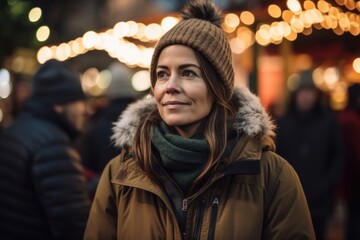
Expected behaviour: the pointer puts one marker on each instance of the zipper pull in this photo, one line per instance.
(215, 202)
(184, 205)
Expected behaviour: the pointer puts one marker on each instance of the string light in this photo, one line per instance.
(297, 19)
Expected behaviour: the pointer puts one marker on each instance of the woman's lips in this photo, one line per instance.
(174, 104)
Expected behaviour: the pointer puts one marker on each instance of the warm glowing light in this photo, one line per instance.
(344, 23)
(168, 22)
(327, 23)
(5, 83)
(63, 52)
(247, 18)
(227, 29)
(354, 28)
(331, 77)
(90, 79)
(90, 39)
(285, 28)
(356, 65)
(307, 31)
(323, 6)
(338, 31)
(141, 31)
(78, 47)
(35, 14)
(237, 45)
(340, 2)
(141, 80)
(43, 33)
(104, 79)
(297, 25)
(133, 28)
(308, 5)
(338, 96)
(292, 36)
(231, 20)
(287, 15)
(294, 6)
(118, 45)
(121, 29)
(318, 76)
(263, 37)
(153, 31)
(276, 32)
(350, 4)
(44, 54)
(146, 57)
(246, 35)
(334, 12)
(274, 11)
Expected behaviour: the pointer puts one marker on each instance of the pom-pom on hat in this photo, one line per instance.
(56, 83)
(200, 30)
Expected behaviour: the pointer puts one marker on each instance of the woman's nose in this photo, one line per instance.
(173, 84)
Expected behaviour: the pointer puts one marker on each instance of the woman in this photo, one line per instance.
(196, 159)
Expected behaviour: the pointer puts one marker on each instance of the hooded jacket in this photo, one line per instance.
(257, 196)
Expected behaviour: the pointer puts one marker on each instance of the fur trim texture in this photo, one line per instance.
(252, 119)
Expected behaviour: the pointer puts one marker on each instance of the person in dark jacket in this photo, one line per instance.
(43, 189)
(197, 159)
(309, 137)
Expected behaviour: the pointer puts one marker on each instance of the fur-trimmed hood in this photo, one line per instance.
(252, 118)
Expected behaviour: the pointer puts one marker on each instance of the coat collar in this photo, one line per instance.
(252, 119)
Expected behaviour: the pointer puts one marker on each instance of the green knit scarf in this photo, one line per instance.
(183, 158)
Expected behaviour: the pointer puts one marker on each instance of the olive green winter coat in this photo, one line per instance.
(257, 196)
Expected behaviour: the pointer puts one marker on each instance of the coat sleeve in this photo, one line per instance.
(287, 213)
(61, 188)
(102, 222)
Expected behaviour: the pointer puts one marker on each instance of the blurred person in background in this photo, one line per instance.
(97, 149)
(309, 137)
(43, 190)
(349, 188)
(21, 92)
(197, 158)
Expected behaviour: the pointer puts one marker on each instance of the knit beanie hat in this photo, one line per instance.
(55, 83)
(200, 30)
(120, 82)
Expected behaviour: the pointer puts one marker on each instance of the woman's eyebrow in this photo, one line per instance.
(181, 66)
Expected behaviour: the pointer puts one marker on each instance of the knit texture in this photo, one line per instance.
(207, 39)
(183, 158)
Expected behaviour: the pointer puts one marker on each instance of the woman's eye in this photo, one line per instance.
(160, 75)
(189, 73)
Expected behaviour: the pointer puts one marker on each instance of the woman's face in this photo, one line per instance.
(182, 96)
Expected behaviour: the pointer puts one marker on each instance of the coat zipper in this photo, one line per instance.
(213, 217)
(183, 216)
(199, 218)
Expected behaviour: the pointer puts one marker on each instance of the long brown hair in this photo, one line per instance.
(215, 125)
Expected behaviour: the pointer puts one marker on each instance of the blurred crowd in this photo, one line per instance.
(58, 140)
